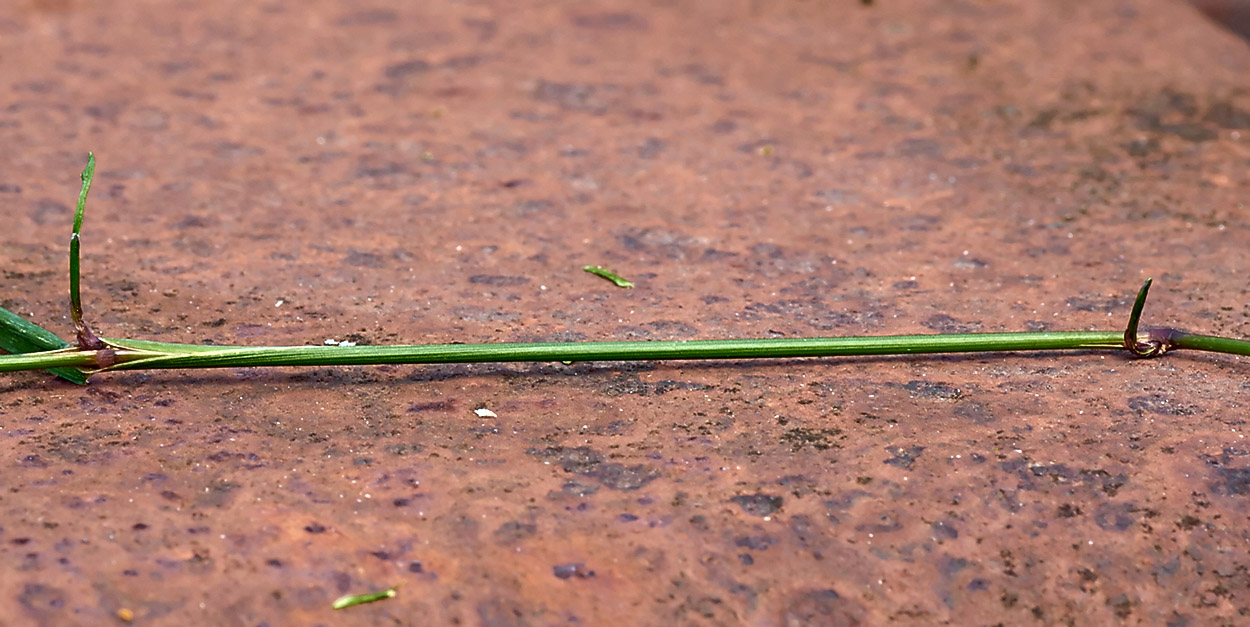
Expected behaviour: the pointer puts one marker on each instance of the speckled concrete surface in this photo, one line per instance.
(274, 173)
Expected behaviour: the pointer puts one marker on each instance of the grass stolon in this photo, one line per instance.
(35, 348)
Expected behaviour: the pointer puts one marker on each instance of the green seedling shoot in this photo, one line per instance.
(34, 348)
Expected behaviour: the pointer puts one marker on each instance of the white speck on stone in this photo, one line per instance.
(482, 412)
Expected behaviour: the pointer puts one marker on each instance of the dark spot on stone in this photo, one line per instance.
(531, 207)
(1122, 606)
(46, 211)
(273, 562)
(666, 243)
(975, 412)
(577, 460)
(1176, 619)
(755, 543)
(367, 17)
(375, 170)
(1232, 481)
(498, 280)
(610, 21)
(818, 439)
(514, 531)
(315, 528)
(9, 188)
(821, 607)
(577, 488)
(569, 571)
(33, 461)
(461, 62)
(944, 530)
(918, 222)
(1159, 404)
(1115, 516)
(363, 259)
(1190, 131)
(1140, 148)
(139, 526)
(745, 559)
(415, 567)
(1084, 303)
(943, 323)
(406, 69)
(659, 329)
(431, 406)
(1225, 115)
(838, 197)
(627, 518)
(950, 566)
(582, 97)
(39, 597)
(651, 148)
(624, 478)
(918, 147)
(624, 384)
(1068, 510)
(933, 389)
(901, 457)
(758, 504)
(582, 460)
(969, 263)
(886, 523)
(402, 449)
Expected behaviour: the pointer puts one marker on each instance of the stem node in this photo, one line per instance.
(1152, 346)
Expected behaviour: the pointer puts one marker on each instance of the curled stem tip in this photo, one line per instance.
(86, 339)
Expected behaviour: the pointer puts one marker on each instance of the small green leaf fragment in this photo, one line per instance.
(351, 600)
(609, 275)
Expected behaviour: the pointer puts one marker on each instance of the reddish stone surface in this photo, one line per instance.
(284, 173)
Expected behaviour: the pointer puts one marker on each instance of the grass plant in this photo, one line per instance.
(32, 347)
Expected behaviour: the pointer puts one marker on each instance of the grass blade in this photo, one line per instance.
(18, 336)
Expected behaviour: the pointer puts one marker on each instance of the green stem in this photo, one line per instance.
(86, 339)
(68, 358)
(93, 354)
(1172, 338)
(138, 354)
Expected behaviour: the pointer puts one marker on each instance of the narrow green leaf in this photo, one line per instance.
(609, 275)
(351, 600)
(19, 336)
